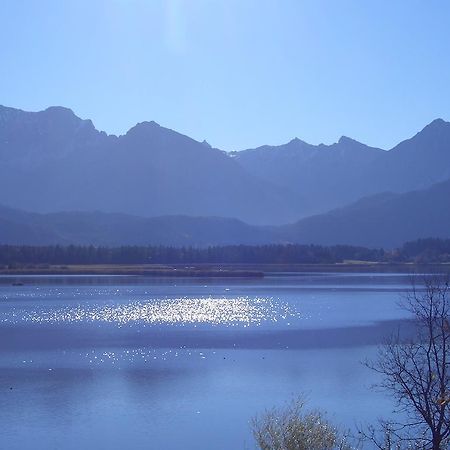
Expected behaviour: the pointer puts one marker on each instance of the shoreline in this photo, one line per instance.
(134, 270)
(209, 270)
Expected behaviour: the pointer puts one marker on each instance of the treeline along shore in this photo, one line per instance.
(233, 260)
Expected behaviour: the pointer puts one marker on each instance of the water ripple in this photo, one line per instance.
(184, 310)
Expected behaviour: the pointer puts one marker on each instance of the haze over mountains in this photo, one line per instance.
(115, 229)
(52, 161)
(329, 176)
(383, 220)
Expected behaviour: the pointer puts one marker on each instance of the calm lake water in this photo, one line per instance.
(145, 363)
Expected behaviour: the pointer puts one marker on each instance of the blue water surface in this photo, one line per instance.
(153, 363)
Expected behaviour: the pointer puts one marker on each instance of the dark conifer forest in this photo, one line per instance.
(419, 251)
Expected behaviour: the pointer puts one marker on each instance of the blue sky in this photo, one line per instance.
(238, 73)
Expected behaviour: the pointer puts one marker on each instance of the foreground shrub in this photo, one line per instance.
(293, 428)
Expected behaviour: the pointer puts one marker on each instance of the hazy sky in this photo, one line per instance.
(238, 73)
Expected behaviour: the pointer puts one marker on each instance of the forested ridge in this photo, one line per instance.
(420, 251)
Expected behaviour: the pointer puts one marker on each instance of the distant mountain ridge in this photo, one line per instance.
(330, 176)
(112, 229)
(384, 220)
(325, 172)
(52, 161)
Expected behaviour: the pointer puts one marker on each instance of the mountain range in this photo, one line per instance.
(53, 161)
(115, 229)
(63, 181)
(329, 176)
(382, 220)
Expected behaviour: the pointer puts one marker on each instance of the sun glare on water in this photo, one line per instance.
(184, 310)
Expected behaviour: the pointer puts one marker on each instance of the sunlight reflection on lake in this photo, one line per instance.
(210, 310)
(142, 363)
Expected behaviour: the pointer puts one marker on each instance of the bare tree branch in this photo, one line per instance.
(416, 373)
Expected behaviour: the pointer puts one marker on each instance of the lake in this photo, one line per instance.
(107, 362)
